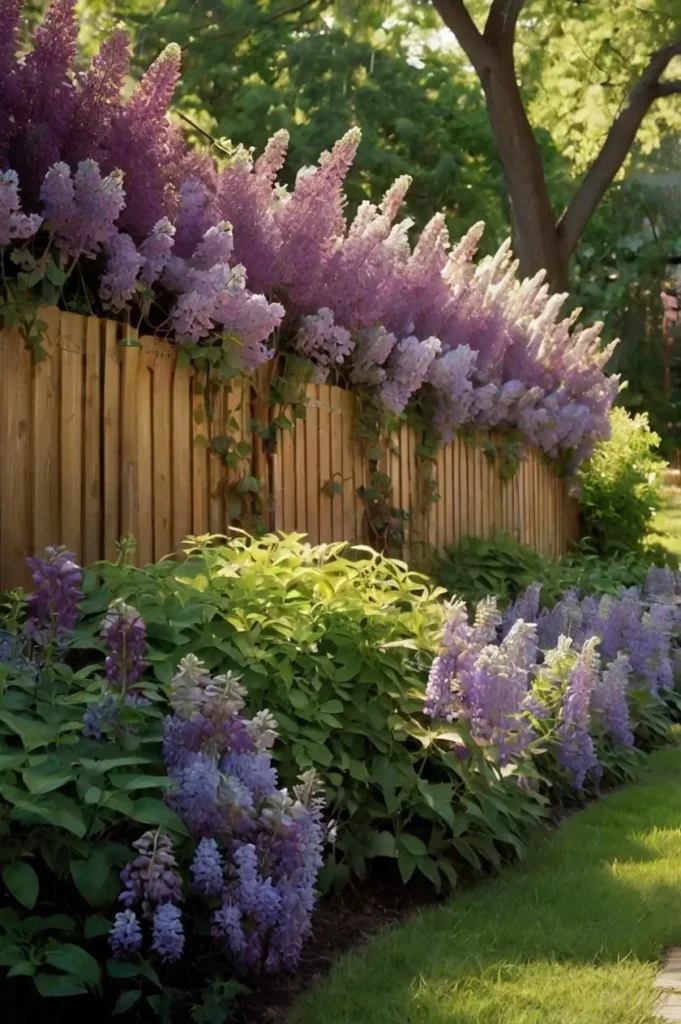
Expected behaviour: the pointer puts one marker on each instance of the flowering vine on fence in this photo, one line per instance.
(103, 206)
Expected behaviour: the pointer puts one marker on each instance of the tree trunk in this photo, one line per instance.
(535, 238)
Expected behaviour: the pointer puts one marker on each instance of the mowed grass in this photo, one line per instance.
(667, 525)
(573, 936)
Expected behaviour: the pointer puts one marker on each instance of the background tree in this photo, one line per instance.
(629, 44)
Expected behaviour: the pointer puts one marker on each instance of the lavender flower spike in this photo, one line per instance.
(168, 938)
(125, 938)
(206, 868)
(53, 606)
(150, 878)
(124, 634)
(577, 752)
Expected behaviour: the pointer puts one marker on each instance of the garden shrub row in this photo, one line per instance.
(160, 841)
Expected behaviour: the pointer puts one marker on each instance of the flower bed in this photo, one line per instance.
(117, 716)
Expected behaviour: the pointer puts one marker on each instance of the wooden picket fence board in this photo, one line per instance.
(101, 440)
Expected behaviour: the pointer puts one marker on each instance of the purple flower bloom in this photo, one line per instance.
(227, 926)
(168, 935)
(82, 211)
(577, 752)
(499, 692)
(525, 607)
(156, 250)
(118, 283)
(207, 868)
(125, 938)
(226, 790)
(150, 878)
(195, 794)
(257, 898)
(124, 635)
(322, 341)
(53, 606)
(406, 370)
(439, 692)
(609, 700)
(660, 583)
(13, 223)
(254, 771)
(105, 711)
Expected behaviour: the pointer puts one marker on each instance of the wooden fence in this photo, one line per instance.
(100, 440)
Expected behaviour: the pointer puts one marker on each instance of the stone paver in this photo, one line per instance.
(669, 980)
(669, 1007)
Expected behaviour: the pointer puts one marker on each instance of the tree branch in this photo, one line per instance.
(668, 89)
(501, 22)
(457, 19)
(616, 146)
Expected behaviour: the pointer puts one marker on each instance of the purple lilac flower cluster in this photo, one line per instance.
(259, 849)
(493, 350)
(100, 174)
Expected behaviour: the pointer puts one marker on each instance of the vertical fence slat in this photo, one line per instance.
(287, 499)
(145, 456)
(325, 500)
(111, 428)
(360, 479)
(448, 496)
(130, 508)
(15, 465)
(45, 447)
(313, 489)
(72, 366)
(199, 463)
(92, 524)
(162, 455)
(299, 482)
(237, 426)
(459, 489)
(348, 442)
(216, 468)
(182, 437)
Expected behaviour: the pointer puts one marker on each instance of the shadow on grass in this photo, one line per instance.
(572, 937)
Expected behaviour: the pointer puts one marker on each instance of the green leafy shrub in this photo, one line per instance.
(478, 567)
(621, 484)
(504, 567)
(337, 645)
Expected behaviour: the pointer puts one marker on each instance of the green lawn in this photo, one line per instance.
(667, 526)
(574, 936)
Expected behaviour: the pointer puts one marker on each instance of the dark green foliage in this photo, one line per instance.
(505, 567)
(477, 567)
(69, 808)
